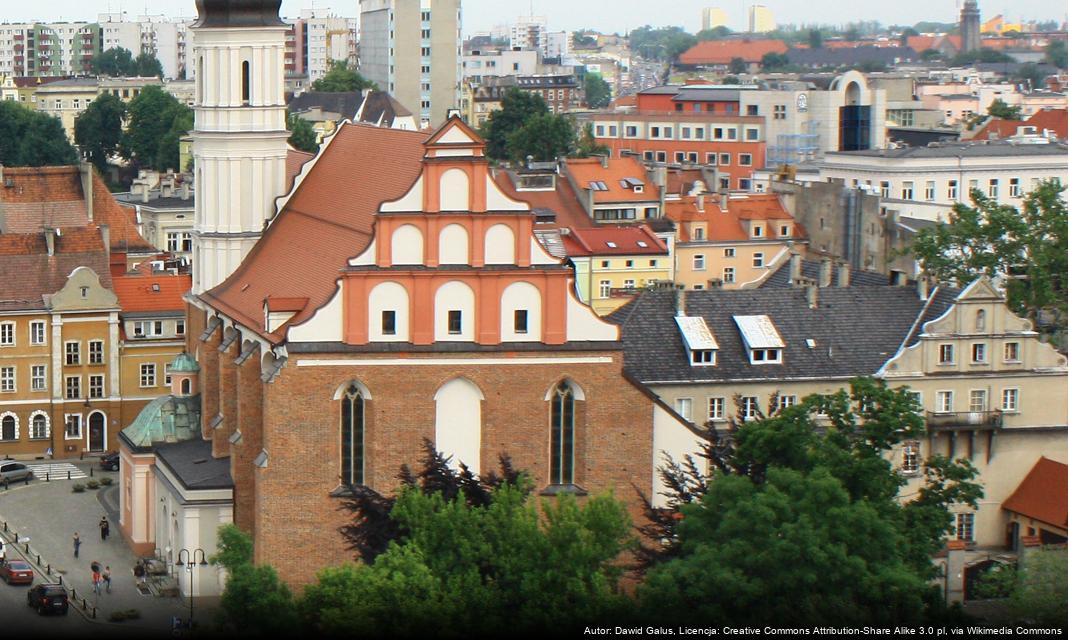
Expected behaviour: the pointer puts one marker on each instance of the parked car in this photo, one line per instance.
(48, 598)
(110, 461)
(17, 572)
(12, 471)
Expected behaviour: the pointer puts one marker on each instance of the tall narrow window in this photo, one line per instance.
(245, 79)
(520, 320)
(389, 323)
(562, 462)
(352, 436)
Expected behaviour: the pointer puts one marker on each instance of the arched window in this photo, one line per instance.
(407, 245)
(246, 90)
(499, 245)
(9, 427)
(187, 386)
(39, 426)
(562, 440)
(980, 320)
(352, 435)
(458, 423)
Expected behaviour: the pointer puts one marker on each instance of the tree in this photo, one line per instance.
(815, 38)
(1057, 54)
(341, 78)
(663, 43)
(774, 61)
(1030, 74)
(255, 601)
(98, 129)
(999, 109)
(587, 144)
(1041, 590)
(545, 137)
(517, 107)
(715, 33)
(931, 54)
(301, 133)
(982, 55)
(907, 33)
(32, 139)
(473, 557)
(156, 123)
(732, 79)
(987, 238)
(598, 93)
(115, 62)
(795, 506)
(147, 66)
(737, 66)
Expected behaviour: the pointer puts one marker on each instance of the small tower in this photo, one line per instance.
(184, 374)
(969, 26)
(239, 136)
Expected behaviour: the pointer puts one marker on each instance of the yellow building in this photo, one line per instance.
(613, 262)
(67, 99)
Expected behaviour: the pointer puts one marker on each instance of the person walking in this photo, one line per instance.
(107, 578)
(77, 544)
(96, 582)
(139, 572)
(104, 528)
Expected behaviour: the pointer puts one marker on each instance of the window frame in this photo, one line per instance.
(147, 372)
(76, 387)
(76, 352)
(1015, 395)
(99, 355)
(7, 334)
(44, 333)
(720, 403)
(96, 391)
(43, 378)
(8, 379)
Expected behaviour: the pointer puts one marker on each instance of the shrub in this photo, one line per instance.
(106, 481)
(93, 484)
(124, 614)
(78, 487)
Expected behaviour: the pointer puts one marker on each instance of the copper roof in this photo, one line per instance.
(1043, 494)
(329, 219)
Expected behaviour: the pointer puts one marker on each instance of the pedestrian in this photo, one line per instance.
(96, 582)
(139, 572)
(3, 553)
(107, 578)
(77, 544)
(104, 528)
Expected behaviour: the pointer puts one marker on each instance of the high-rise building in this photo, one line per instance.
(239, 133)
(529, 32)
(969, 26)
(712, 17)
(761, 20)
(411, 48)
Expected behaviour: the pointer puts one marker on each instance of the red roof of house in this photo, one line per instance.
(1043, 494)
(29, 273)
(727, 225)
(562, 201)
(614, 240)
(285, 304)
(999, 129)
(329, 219)
(919, 44)
(295, 159)
(1054, 119)
(723, 51)
(589, 170)
(139, 291)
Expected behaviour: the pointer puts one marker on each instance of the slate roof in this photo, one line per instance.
(855, 329)
(856, 55)
(963, 149)
(344, 103)
(810, 269)
(1043, 494)
(193, 466)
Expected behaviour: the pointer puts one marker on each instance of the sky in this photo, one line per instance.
(605, 15)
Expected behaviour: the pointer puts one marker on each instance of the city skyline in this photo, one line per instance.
(484, 15)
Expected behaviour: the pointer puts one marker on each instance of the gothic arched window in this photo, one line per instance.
(352, 436)
(562, 440)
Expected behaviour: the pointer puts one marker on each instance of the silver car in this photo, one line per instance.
(12, 471)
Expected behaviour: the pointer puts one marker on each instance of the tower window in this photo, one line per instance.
(245, 82)
(456, 322)
(520, 320)
(389, 323)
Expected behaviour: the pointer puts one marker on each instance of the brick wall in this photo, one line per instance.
(249, 417)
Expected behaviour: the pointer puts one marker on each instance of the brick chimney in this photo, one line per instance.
(826, 272)
(843, 274)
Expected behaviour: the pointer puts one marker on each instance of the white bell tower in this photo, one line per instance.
(239, 139)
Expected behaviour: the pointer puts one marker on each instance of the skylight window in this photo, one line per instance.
(611, 245)
(643, 243)
(597, 185)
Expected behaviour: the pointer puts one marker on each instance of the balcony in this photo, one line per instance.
(964, 420)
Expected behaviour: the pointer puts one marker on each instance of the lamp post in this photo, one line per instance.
(191, 561)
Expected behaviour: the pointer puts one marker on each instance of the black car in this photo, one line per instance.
(48, 598)
(110, 461)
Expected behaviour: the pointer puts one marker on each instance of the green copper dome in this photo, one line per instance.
(184, 363)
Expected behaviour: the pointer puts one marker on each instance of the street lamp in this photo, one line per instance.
(191, 559)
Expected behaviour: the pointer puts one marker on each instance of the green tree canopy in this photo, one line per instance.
(1057, 54)
(1041, 590)
(999, 109)
(545, 137)
(807, 509)
(301, 133)
(774, 61)
(156, 123)
(147, 66)
(995, 240)
(98, 129)
(715, 33)
(931, 54)
(31, 138)
(815, 38)
(737, 65)
(255, 600)
(115, 62)
(587, 144)
(661, 43)
(598, 93)
(982, 55)
(341, 78)
(517, 107)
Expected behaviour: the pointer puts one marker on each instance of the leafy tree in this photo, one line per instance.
(815, 38)
(98, 129)
(588, 145)
(852, 34)
(997, 582)
(156, 122)
(32, 139)
(147, 66)
(715, 33)
(982, 55)
(598, 93)
(907, 33)
(1041, 590)
(931, 54)
(1057, 54)
(584, 40)
(809, 509)
(995, 240)
(545, 137)
(732, 79)
(115, 62)
(999, 109)
(255, 600)
(341, 78)
(737, 66)
(663, 43)
(301, 133)
(773, 61)
(517, 108)
(1030, 74)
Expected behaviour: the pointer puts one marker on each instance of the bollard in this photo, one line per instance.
(27, 548)
(27, 480)
(74, 595)
(94, 613)
(68, 474)
(16, 537)
(48, 476)
(61, 578)
(5, 526)
(48, 569)
(38, 559)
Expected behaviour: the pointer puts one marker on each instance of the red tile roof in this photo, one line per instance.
(1043, 494)
(1054, 119)
(294, 161)
(29, 273)
(329, 219)
(120, 220)
(723, 51)
(140, 292)
(286, 304)
(998, 128)
(614, 240)
(562, 201)
(919, 44)
(587, 170)
(727, 226)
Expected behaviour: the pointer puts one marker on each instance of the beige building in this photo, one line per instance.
(67, 99)
(990, 389)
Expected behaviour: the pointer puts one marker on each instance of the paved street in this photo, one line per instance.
(49, 513)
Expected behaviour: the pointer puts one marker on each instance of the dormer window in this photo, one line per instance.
(758, 231)
(761, 338)
(700, 344)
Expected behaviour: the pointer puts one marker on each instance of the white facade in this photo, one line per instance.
(761, 20)
(479, 65)
(529, 32)
(239, 139)
(712, 17)
(329, 38)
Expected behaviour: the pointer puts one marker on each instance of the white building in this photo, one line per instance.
(761, 20)
(327, 38)
(925, 182)
(499, 62)
(529, 32)
(712, 17)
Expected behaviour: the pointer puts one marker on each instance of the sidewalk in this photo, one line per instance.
(49, 513)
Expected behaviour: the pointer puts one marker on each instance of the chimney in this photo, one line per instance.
(921, 287)
(843, 274)
(660, 176)
(144, 193)
(724, 197)
(813, 294)
(184, 191)
(86, 171)
(826, 271)
(680, 302)
(795, 267)
(701, 202)
(50, 240)
(105, 237)
(604, 160)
